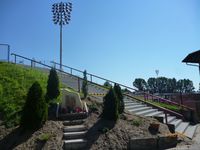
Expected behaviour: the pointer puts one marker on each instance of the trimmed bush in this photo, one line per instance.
(34, 113)
(119, 95)
(53, 90)
(110, 106)
(85, 84)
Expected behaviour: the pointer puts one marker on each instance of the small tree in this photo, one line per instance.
(53, 90)
(119, 95)
(110, 106)
(85, 84)
(34, 112)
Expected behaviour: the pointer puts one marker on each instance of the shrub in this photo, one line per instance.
(52, 86)
(136, 122)
(44, 137)
(34, 113)
(110, 106)
(85, 84)
(119, 95)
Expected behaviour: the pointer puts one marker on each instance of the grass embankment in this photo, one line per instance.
(165, 105)
(15, 81)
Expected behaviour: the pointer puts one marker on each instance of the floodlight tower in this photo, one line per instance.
(61, 16)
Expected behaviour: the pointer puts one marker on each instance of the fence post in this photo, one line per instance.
(91, 78)
(166, 118)
(8, 53)
(15, 58)
(79, 89)
(71, 71)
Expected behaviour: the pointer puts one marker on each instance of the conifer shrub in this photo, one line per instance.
(84, 87)
(110, 106)
(53, 90)
(119, 95)
(34, 112)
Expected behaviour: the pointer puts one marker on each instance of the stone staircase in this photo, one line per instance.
(139, 108)
(74, 133)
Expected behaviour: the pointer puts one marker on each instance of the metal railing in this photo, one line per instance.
(147, 96)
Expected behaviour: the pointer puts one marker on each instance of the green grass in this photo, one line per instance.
(136, 122)
(168, 106)
(15, 82)
(44, 137)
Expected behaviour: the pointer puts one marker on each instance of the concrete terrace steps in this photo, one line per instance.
(139, 109)
(74, 133)
(142, 109)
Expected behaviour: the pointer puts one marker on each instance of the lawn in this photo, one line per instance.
(15, 81)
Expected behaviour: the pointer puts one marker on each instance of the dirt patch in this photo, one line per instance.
(48, 137)
(105, 134)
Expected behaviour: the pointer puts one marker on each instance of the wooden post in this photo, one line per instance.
(71, 71)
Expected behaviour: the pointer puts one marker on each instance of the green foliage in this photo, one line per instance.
(15, 81)
(34, 113)
(164, 85)
(110, 106)
(140, 84)
(107, 84)
(119, 95)
(53, 90)
(44, 137)
(85, 84)
(136, 122)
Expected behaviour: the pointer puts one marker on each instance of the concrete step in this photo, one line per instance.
(176, 122)
(134, 106)
(74, 135)
(189, 132)
(74, 144)
(146, 112)
(75, 128)
(170, 119)
(73, 116)
(154, 114)
(135, 110)
(73, 122)
(182, 127)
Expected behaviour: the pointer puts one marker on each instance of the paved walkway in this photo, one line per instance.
(195, 142)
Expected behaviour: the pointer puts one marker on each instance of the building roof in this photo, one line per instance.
(193, 57)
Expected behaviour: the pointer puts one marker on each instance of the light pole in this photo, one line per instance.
(61, 16)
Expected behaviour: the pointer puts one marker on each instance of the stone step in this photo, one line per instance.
(135, 110)
(73, 122)
(190, 131)
(146, 112)
(182, 127)
(75, 144)
(170, 119)
(154, 114)
(74, 135)
(176, 122)
(75, 128)
(134, 106)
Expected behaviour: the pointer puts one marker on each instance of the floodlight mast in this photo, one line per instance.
(61, 16)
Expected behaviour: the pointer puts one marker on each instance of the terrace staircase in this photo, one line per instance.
(132, 104)
(74, 133)
(140, 108)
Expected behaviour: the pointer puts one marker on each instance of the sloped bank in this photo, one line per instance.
(129, 132)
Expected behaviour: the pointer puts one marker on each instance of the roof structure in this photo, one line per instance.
(193, 57)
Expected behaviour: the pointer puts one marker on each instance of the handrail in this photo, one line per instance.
(93, 75)
(158, 107)
(168, 101)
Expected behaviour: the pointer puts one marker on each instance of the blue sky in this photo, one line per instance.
(119, 40)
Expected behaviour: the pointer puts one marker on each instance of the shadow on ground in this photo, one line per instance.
(15, 138)
(100, 127)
